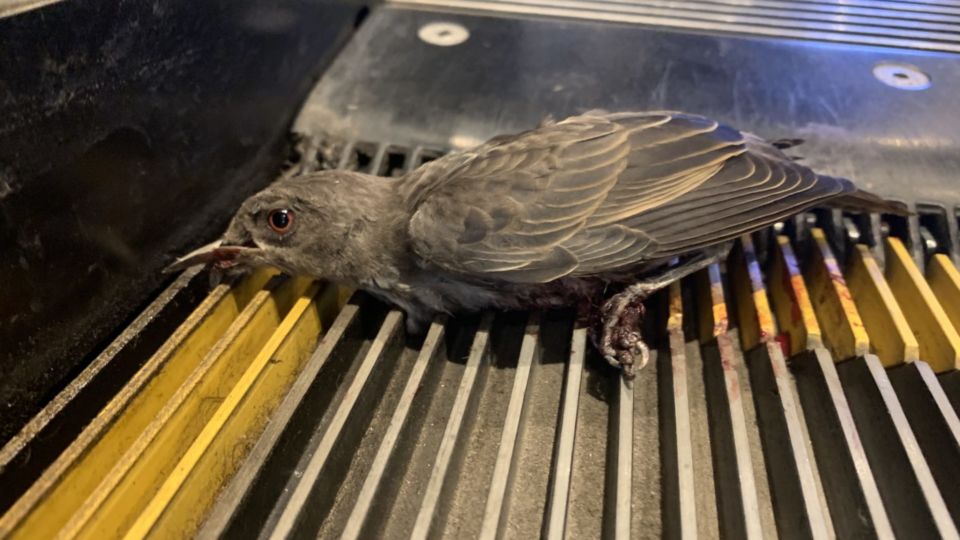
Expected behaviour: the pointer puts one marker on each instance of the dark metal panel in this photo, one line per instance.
(512, 72)
(130, 131)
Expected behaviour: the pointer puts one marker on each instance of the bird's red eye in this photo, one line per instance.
(280, 220)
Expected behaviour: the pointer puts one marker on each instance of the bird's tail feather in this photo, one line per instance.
(859, 200)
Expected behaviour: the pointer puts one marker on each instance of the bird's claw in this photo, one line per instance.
(621, 343)
(628, 357)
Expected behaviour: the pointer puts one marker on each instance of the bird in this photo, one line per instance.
(599, 210)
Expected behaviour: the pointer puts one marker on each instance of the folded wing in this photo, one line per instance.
(593, 194)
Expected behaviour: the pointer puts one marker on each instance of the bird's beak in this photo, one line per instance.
(222, 256)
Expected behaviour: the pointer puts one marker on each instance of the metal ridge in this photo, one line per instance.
(906, 25)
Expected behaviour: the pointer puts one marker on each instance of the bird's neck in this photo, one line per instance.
(375, 253)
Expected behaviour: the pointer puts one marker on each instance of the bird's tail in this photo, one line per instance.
(858, 200)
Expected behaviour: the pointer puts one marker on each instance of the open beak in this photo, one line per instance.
(221, 256)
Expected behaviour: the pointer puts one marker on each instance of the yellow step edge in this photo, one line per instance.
(890, 335)
(179, 506)
(791, 300)
(343, 296)
(843, 330)
(64, 485)
(712, 306)
(753, 309)
(944, 280)
(675, 316)
(117, 500)
(939, 342)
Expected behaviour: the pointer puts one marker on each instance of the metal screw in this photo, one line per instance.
(443, 34)
(930, 244)
(853, 232)
(902, 76)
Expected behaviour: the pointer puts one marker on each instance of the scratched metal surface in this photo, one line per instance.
(512, 72)
(130, 131)
(913, 25)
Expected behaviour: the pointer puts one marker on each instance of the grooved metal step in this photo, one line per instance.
(791, 393)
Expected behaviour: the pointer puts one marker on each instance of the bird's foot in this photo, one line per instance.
(617, 333)
(621, 343)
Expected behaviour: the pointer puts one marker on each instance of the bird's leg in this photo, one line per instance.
(621, 343)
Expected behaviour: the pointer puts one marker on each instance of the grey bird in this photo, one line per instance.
(558, 215)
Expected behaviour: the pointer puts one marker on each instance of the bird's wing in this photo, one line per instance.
(746, 192)
(588, 195)
(750, 192)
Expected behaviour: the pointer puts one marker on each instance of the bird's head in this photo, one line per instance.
(300, 225)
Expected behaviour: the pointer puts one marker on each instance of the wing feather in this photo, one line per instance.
(777, 190)
(597, 193)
